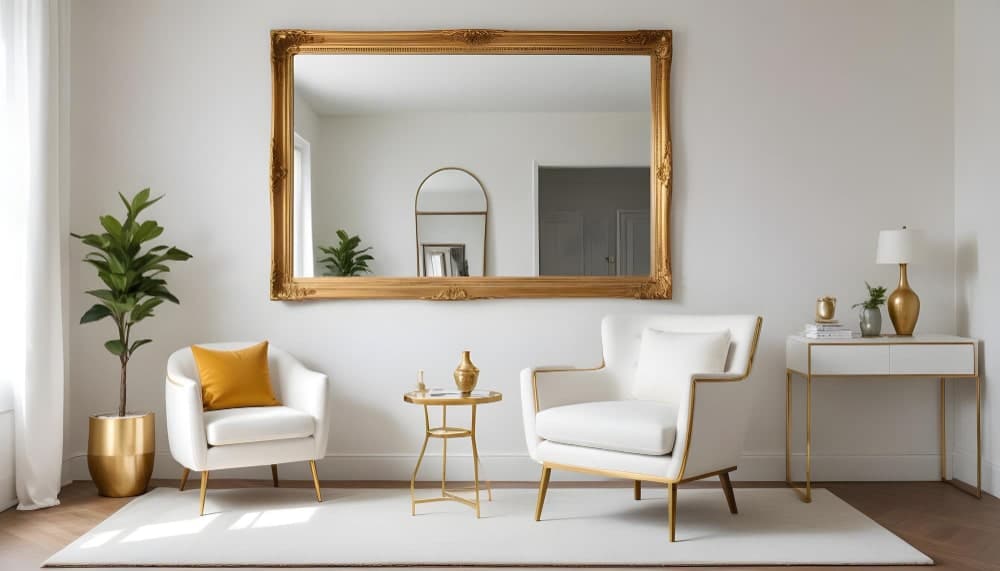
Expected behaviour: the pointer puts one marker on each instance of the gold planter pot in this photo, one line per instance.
(120, 453)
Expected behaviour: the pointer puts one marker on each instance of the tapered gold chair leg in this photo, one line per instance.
(274, 474)
(672, 509)
(727, 488)
(312, 467)
(204, 491)
(637, 490)
(184, 478)
(543, 487)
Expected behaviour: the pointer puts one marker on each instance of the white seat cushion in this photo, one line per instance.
(633, 426)
(256, 424)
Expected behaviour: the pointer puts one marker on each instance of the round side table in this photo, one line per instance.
(444, 399)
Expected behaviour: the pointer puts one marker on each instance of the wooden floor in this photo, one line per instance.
(958, 531)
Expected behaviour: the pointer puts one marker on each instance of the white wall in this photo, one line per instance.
(977, 236)
(371, 166)
(800, 130)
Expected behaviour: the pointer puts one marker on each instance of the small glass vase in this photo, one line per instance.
(871, 322)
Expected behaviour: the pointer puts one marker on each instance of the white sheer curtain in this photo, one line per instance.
(33, 241)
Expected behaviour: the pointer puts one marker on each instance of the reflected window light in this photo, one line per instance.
(245, 521)
(171, 529)
(290, 516)
(100, 539)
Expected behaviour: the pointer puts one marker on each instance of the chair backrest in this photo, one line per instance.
(621, 336)
(181, 362)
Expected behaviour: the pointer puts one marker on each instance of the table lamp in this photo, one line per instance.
(900, 247)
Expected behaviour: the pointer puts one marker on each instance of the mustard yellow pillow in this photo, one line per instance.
(232, 379)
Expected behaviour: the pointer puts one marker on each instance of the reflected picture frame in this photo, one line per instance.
(451, 256)
(287, 43)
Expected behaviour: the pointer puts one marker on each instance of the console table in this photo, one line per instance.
(940, 356)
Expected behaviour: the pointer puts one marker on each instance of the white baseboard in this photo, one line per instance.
(755, 466)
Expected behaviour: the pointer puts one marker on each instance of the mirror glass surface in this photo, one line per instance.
(559, 146)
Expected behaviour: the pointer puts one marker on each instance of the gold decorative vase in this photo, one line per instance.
(903, 305)
(826, 308)
(120, 453)
(466, 374)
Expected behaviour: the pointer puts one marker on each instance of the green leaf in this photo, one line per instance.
(162, 292)
(138, 344)
(128, 205)
(115, 347)
(112, 225)
(145, 309)
(95, 313)
(147, 231)
(105, 294)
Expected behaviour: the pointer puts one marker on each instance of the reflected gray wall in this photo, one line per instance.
(597, 193)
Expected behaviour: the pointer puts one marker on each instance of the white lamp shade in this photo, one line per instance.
(897, 246)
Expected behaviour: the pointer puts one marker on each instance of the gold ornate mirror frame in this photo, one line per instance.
(285, 44)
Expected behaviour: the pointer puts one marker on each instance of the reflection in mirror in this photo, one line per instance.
(562, 142)
(451, 210)
(593, 221)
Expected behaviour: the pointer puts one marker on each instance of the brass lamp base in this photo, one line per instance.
(903, 305)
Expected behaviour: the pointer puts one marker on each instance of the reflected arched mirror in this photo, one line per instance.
(450, 210)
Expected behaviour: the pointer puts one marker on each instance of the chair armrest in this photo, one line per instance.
(712, 427)
(558, 386)
(308, 391)
(185, 423)
(547, 387)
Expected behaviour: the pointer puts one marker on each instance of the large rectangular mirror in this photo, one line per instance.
(464, 164)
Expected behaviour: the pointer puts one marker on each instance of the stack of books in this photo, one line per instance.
(827, 330)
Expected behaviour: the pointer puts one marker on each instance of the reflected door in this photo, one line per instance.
(633, 243)
(561, 245)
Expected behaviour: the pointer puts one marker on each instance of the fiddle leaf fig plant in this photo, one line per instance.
(132, 276)
(876, 297)
(345, 259)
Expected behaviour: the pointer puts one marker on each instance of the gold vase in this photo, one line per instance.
(826, 307)
(466, 374)
(120, 453)
(903, 305)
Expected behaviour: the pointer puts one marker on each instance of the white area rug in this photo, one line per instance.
(286, 527)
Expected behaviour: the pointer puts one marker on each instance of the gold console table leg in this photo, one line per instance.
(805, 493)
(978, 490)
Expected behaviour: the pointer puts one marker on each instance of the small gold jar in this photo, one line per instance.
(466, 374)
(826, 308)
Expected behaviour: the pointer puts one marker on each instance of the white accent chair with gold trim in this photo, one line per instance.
(614, 421)
(204, 441)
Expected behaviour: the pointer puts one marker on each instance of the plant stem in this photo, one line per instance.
(121, 389)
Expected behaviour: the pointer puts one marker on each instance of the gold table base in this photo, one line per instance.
(804, 489)
(445, 432)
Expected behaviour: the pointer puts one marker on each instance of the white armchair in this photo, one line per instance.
(204, 441)
(585, 420)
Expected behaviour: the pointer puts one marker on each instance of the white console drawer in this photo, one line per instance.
(917, 359)
(850, 360)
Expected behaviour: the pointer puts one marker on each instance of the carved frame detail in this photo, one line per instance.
(285, 44)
